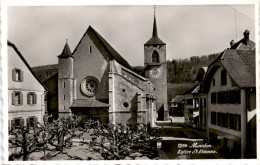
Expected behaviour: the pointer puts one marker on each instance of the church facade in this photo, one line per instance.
(95, 81)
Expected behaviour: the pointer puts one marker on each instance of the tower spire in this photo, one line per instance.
(155, 34)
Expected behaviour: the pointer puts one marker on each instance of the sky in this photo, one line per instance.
(40, 32)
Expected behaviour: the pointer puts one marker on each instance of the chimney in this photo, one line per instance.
(232, 42)
(246, 37)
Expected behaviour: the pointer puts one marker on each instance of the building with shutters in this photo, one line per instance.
(230, 86)
(25, 92)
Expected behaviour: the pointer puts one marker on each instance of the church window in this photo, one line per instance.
(155, 57)
(126, 105)
(123, 90)
(89, 86)
(64, 84)
(63, 97)
(90, 49)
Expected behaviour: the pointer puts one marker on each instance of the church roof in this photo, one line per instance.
(155, 40)
(97, 38)
(66, 51)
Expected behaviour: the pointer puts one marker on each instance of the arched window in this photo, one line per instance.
(155, 57)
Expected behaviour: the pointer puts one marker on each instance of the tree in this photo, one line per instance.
(120, 141)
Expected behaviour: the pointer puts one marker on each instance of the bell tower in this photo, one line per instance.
(156, 70)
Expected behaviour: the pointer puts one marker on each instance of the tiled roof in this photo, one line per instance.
(178, 99)
(240, 65)
(88, 103)
(242, 45)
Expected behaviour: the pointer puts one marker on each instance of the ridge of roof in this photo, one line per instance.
(115, 55)
(25, 62)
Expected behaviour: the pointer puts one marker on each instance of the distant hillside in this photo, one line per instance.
(183, 70)
(174, 89)
(45, 71)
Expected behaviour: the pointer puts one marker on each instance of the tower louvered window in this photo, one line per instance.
(155, 57)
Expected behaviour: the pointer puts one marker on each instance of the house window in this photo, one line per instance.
(31, 98)
(219, 119)
(90, 49)
(17, 123)
(155, 57)
(31, 121)
(223, 77)
(147, 103)
(213, 118)
(237, 97)
(213, 98)
(17, 98)
(237, 122)
(189, 101)
(17, 75)
(213, 82)
(220, 97)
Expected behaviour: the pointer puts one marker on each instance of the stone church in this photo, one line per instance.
(97, 82)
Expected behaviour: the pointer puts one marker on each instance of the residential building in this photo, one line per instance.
(230, 85)
(26, 93)
(177, 106)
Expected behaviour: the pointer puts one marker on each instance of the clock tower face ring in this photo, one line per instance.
(89, 86)
(155, 72)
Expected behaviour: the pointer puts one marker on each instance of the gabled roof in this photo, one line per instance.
(240, 65)
(178, 99)
(242, 45)
(25, 62)
(112, 52)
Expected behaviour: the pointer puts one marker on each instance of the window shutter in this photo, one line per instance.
(35, 119)
(13, 98)
(13, 74)
(9, 125)
(21, 98)
(12, 124)
(35, 98)
(21, 76)
(21, 122)
(28, 98)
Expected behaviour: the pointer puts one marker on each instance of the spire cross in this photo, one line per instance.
(66, 41)
(154, 9)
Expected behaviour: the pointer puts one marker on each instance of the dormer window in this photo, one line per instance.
(17, 75)
(155, 57)
(223, 77)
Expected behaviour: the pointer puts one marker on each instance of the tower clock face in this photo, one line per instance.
(155, 72)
